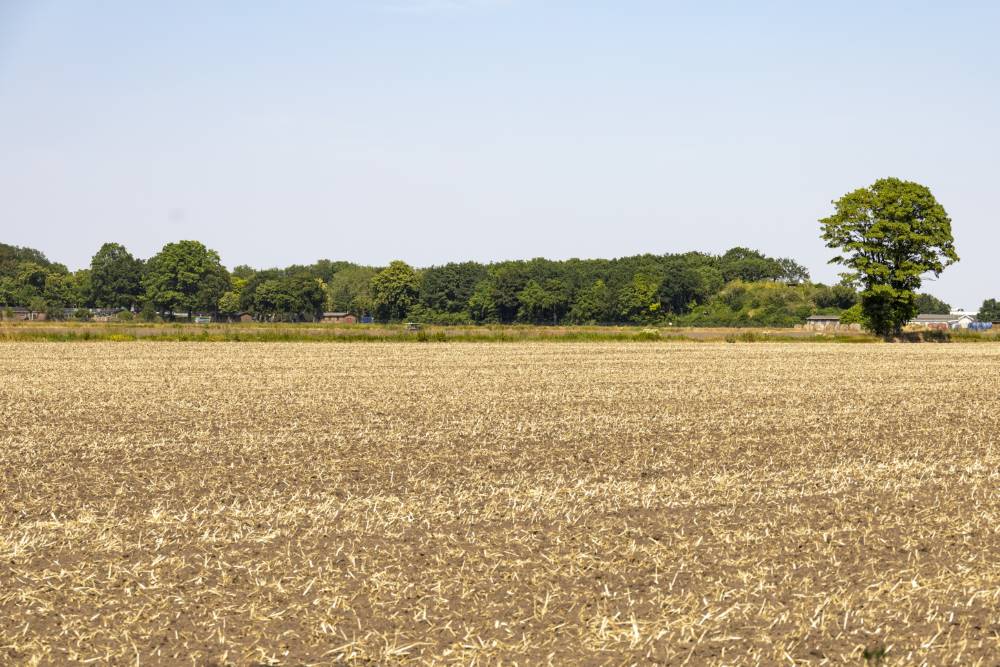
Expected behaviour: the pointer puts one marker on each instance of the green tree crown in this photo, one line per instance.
(890, 234)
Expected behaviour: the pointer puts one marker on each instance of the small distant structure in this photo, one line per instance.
(367, 319)
(943, 321)
(339, 318)
(245, 317)
(104, 314)
(15, 313)
(202, 319)
(821, 322)
(413, 326)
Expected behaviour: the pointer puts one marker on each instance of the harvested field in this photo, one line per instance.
(528, 503)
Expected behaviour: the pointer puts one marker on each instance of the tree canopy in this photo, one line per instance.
(394, 291)
(115, 277)
(928, 303)
(890, 234)
(990, 311)
(185, 277)
(739, 287)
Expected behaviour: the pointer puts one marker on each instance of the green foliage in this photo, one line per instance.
(837, 297)
(449, 288)
(229, 302)
(506, 281)
(885, 309)
(692, 278)
(935, 335)
(990, 311)
(638, 301)
(115, 277)
(12, 257)
(185, 276)
(82, 289)
(642, 289)
(148, 312)
(752, 266)
(852, 315)
(926, 303)
(890, 235)
(592, 304)
(350, 290)
(792, 273)
(543, 303)
(482, 307)
(764, 304)
(420, 313)
(38, 305)
(283, 298)
(124, 316)
(395, 290)
(59, 289)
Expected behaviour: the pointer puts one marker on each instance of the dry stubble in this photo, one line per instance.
(523, 503)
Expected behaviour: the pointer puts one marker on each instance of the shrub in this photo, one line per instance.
(851, 315)
(148, 312)
(936, 336)
(81, 314)
(124, 316)
(54, 311)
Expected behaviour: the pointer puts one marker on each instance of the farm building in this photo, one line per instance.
(16, 313)
(245, 317)
(339, 318)
(823, 321)
(105, 314)
(943, 320)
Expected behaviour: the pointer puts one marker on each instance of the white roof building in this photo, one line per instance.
(957, 320)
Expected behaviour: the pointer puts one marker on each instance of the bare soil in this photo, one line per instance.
(523, 503)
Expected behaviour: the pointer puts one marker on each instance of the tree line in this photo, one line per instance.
(741, 287)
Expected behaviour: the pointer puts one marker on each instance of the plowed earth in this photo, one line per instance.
(529, 503)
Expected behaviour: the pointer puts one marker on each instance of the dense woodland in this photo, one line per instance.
(741, 287)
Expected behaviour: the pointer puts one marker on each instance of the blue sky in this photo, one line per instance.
(441, 130)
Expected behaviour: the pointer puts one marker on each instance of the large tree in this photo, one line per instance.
(395, 290)
(544, 302)
(350, 290)
(592, 304)
(891, 234)
(448, 288)
(185, 276)
(115, 277)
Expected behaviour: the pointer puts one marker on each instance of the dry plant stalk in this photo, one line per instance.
(521, 504)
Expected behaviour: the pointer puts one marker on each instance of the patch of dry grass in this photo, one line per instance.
(475, 503)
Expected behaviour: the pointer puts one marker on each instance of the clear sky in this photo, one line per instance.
(441, 130)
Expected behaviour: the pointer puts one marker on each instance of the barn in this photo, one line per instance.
(943, 320)
(339, 318)
(823, 321)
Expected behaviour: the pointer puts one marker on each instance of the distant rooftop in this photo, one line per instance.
(942, 317)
